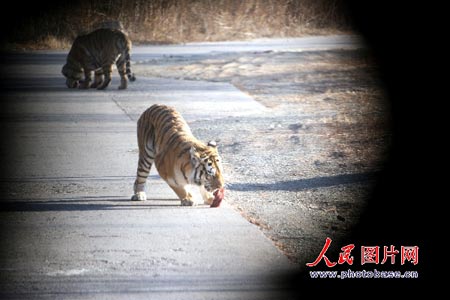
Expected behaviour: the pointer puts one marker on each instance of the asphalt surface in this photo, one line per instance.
(68, 228)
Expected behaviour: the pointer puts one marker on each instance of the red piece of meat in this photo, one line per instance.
(218, 197)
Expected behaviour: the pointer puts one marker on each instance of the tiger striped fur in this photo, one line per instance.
(165, 139)
(98, 51)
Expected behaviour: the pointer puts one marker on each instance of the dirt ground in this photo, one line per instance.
(303, 170)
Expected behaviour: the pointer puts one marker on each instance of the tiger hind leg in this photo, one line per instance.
(145, 139)
(123, 76)
(107, 70)
(144, 166)
(123, 82)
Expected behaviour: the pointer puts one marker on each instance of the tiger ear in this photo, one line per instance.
(212, 144)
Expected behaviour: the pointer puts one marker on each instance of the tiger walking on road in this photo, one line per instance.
(165, 139)
(97, 52)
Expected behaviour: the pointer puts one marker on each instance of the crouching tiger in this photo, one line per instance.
(164, 138)
(98, 51)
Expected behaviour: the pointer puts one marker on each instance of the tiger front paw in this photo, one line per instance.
(84, 85)
(95, 85)
(208, 199)
(104, 84)
(187, 202)
(140, 196)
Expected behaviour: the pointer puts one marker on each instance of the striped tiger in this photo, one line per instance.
(164, 138)
(98, 51)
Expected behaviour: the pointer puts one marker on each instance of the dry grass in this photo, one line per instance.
(170, 21)
(46, 42)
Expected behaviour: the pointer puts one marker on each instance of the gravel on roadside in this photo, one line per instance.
(303, 170)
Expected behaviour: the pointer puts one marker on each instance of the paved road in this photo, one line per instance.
(68, 227)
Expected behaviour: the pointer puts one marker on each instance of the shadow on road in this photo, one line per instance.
(304, 184)
(34, 84)
(87, 204)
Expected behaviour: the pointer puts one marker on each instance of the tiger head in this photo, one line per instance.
(73, 75)
(208, 167)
